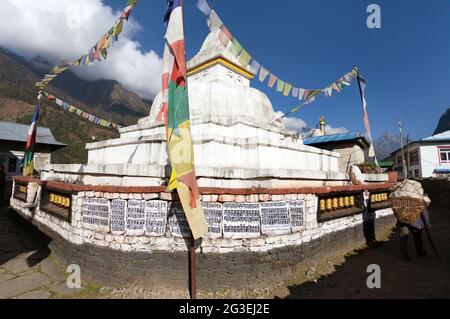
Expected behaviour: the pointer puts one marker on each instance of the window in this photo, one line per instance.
(414, 157)
(417, 173)
(399, 161)
(12, 165)
(444, 154)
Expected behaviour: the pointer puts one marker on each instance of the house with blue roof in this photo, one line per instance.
(13, 139)
(352, 146)
(429, 157)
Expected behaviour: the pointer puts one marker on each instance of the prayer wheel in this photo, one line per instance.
(335, 203)
(341, 202)
(323, 206)
(347, 201)
(329, 204)
(352, 201)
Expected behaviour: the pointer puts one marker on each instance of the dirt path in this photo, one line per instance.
(27, 271)
(420, 278)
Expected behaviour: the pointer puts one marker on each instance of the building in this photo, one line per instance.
(13, 139)
(429, 157)
(352, 147)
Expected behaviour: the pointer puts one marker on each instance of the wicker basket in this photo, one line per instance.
(407, 209)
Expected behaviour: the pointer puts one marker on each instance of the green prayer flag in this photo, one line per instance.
(280, 85)
(236, 48)
(244, 58)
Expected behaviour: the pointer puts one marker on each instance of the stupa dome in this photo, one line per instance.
(219, 87)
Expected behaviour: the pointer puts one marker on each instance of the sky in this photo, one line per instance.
(309, 43)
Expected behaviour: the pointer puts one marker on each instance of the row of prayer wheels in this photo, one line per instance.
(377, 198)
(337, 203)
(59, 200)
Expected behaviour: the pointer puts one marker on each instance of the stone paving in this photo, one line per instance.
(27, 271)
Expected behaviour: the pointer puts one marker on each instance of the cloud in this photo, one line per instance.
(54, 29)
(300, 126)
(335, 130)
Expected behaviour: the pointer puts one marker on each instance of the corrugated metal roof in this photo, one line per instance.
(443, 137)
(351, 136)
(442, 171)
(19, 133)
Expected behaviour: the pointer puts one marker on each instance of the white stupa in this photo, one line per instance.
(237, 142)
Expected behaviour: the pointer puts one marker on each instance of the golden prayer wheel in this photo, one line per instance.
(347, 201)
(66, 202)
(352, 201)
(323, 206)
(373, 198)
(335, 203)
(341, 202)
(385, 197)
(52, 198)
(58, 200)
(329, 204)
(378, 197)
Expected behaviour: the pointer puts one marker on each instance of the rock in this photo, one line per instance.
(38, 294)
(21, 285)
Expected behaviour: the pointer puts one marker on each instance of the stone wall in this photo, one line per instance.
(239, 270)
(115, 260)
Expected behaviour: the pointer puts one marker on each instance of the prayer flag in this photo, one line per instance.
(236, 48)
(362, 91)
(280, 85)
(244, 58)
(295, 92)
(225, 36)
(263, 73)
(204, 7)
(28, 164)
(287, 89)
(272, 80)
(255, 66)
(178, 126)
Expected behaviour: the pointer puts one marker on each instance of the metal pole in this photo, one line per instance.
(405, 172)
(408, 160)
(192, 270)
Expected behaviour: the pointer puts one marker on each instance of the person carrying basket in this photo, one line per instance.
(410, 207)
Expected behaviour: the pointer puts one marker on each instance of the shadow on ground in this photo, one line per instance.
(420, 278)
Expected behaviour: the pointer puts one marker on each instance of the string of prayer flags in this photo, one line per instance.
(85, 115)
(309, 96)
(245, 59)
(97, 52)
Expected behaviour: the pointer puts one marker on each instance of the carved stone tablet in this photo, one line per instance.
(275, 219)
(136, 218)
(118, 216)
(96, 214)
(214, 218)
(241, 220)
(156, 213)
(297, 212)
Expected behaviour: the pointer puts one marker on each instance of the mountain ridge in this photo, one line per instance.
(112, 102)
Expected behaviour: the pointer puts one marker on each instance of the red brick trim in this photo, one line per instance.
(209, 191)
(26, 180)
(302, 190)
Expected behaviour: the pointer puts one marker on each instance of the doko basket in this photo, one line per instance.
(407, 209)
